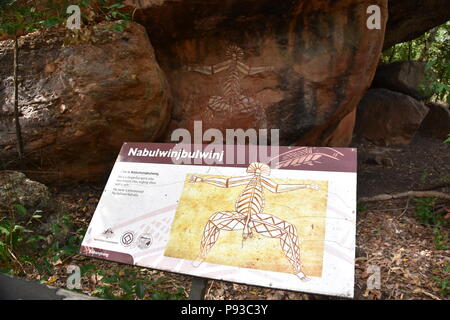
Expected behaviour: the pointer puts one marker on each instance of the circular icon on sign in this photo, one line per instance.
(145, 241)
(127, 238)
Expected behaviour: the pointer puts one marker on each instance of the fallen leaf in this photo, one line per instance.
(52, 279)
(57, 262)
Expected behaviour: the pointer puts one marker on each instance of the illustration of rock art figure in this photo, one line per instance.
(232, 99)
(249, 214)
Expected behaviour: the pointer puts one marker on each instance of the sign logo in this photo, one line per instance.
(144, 241)
(127, 238)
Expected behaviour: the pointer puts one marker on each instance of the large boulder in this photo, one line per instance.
(437, 122)
(17, 189)
(405, 76)
(80, 101)
(299, 66)
(387, 118)
(409, 19)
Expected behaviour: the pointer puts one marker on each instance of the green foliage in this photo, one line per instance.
(433, 48)
(440, 240)
(113, 13)
(14, 17)
(21, 245)
(447, 140)
(106, 10)
(424, 176)
(20, 17)
(361, 207)
(444, 282)
(119, 26)
(14, 235)
(140, 289)
(424, 212)
(63, 243)
(129, 284)
(161, 295)
(20, 209)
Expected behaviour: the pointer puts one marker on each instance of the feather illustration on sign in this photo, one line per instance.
(308, 156)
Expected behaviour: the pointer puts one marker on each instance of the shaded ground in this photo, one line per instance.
(390, 237)
(423, 164)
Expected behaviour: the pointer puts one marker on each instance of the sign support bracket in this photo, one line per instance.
(198, 288)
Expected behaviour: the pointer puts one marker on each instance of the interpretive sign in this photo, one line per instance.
(284, 220)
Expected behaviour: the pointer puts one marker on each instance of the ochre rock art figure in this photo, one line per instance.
(249, 214)
(232, 100)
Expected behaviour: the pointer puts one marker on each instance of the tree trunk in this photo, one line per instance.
(410, 51)
(16, 100)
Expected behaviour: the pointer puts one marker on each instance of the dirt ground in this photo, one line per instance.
(423, 164)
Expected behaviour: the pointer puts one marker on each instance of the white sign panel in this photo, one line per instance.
(286, 223)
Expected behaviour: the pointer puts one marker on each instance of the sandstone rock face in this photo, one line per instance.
(409, 19)
(437, 122)
(405, 77)
(388, 118)
(16, 188)
(298, 66)
(81, 101)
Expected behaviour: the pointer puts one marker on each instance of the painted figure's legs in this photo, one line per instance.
(248, 104)
(219, 104)
(273, 227)
(241, 104)
(224, 220)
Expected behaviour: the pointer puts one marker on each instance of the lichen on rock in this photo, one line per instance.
(17, 189)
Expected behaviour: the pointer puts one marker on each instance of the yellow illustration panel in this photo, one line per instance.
(292, 222)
